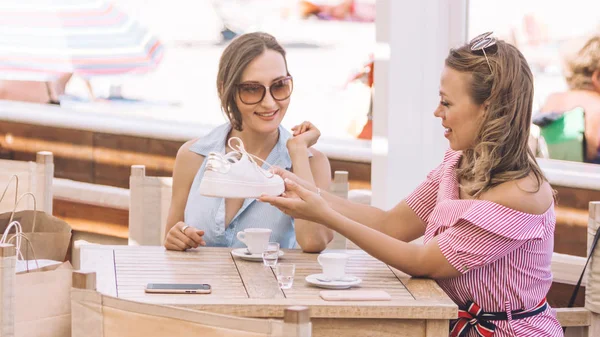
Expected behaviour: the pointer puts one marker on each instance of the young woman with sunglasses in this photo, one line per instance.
(255, 88)
(486, 212)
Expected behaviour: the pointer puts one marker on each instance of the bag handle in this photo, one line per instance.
(18, 237)
(16, 178)
(18, 231)
(34, 209)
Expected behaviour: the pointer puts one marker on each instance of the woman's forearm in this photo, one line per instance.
(367, 215)
(311, 236)
(407, 257)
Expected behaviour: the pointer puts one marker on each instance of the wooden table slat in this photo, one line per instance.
(259, 280)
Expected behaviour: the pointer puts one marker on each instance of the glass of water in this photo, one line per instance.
(271, 254)
(285, 274)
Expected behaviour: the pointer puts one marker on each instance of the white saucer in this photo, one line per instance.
(242, 254)
(315, 279)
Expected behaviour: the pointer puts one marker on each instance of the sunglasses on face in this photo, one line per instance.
(481, 42)
(254, 93)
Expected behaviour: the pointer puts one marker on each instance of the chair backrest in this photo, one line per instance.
(97, 315)
(35, 177)
(566, 269)
(149, 202)
(339, 187)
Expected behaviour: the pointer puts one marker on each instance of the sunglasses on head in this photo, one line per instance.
(254, 93)
(481, 42)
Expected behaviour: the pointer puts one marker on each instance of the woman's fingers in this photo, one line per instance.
(305, 126)
(185, 238)
(195, 235)
(302, 128)
(174, 243)
(278, 170)
(296, 130)
(180, 240)
(302, 192)
(279, 202)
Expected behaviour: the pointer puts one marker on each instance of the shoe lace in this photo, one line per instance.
(222, 162)
(242, 150)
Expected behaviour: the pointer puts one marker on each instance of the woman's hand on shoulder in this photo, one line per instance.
(305, 135)
(182, 237)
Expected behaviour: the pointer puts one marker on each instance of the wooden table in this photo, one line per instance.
(244, 288)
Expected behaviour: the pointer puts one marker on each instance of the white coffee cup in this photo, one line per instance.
(256, 239)
(334, 265)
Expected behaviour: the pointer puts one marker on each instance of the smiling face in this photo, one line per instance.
(268, 70)
(461, 117)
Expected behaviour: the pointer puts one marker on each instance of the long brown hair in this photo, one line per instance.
(501, 152)
(234, 60)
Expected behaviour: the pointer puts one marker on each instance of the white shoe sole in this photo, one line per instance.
(211, 187)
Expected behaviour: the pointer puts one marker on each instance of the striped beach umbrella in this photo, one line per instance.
(42, 39)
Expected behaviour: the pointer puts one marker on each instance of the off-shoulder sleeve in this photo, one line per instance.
(424, 198)
(486, 233)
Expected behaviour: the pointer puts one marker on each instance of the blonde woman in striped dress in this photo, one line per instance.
(486, 212)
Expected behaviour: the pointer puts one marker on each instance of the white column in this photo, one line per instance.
(413, 39)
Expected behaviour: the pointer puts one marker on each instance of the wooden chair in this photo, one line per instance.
(97, 315)
(149, 202)
(341, 188)
(35, 177)
(581, 322)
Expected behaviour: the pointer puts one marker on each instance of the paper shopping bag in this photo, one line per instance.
(43, 302)
(50, 236)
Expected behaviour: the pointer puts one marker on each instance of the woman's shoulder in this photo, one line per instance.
(525, 195)
(185, 149)
(187, 161)
(514, 210)
(213, 141)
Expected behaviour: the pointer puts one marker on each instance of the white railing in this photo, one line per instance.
(355, 150)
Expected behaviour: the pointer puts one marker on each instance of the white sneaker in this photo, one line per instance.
(238, 175)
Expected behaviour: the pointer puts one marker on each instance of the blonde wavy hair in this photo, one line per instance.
(501, 153)
(581, 66)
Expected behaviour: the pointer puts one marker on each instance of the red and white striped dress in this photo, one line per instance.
(504, 255)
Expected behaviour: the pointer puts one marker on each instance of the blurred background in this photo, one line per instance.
(329, 42)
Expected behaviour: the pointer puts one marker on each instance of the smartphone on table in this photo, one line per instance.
(178, 288)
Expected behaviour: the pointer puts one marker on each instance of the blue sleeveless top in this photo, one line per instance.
(208, 213)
